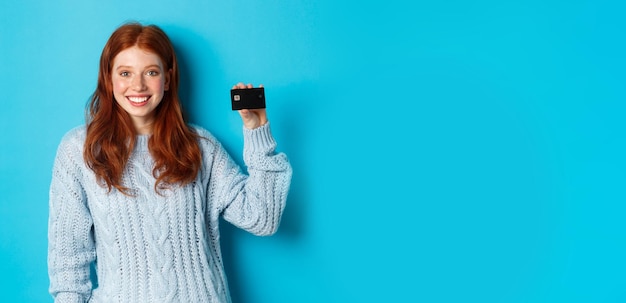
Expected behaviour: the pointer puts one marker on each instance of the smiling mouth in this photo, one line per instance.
(138, 100)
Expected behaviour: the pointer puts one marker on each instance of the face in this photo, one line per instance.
(139, 83)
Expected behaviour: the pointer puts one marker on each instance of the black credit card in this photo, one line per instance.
(247, 98)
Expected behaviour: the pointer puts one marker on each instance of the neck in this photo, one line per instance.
(143, 127)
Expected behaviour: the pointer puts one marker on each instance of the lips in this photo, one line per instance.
(138, 101)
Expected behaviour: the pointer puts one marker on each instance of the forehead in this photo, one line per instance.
(136, 57)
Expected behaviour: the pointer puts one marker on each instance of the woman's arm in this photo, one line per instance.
(253, 202)
(71, 247)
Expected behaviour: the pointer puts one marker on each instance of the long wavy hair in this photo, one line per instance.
(111, 135)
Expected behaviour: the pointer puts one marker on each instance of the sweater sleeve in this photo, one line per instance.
(254, 202)
(71, 248)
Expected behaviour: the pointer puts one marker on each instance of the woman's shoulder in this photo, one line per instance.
(71, 145)
(74, 137)
(208, 143)
(204, 135)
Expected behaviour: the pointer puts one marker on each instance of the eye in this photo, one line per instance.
(152, 73)
(124, 74)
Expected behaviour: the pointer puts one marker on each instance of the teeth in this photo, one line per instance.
(137, 99)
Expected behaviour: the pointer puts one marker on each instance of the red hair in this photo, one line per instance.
(111, 135)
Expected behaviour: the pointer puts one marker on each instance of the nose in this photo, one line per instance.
(138, 83)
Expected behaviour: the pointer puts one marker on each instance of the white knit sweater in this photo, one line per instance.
(157, 248)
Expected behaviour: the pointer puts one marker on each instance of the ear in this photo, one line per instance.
(168, 76)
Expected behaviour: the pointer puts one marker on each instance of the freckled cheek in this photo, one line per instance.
(119, 86)
(158, 85)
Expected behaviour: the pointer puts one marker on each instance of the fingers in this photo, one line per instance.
(262, 114)
(244, 113)
(253, 118)
(241, 85)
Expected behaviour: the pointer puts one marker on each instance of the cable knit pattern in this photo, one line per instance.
(158, 248)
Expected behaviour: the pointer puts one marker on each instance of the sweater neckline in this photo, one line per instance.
(141, 143)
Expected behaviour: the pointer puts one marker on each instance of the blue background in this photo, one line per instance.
(443, 151)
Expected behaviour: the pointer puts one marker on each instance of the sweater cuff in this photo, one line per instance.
(68, 297)
(259, 139)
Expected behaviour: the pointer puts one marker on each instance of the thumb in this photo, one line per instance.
(250, 120)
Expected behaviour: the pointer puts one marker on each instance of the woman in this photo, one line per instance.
(138, 192)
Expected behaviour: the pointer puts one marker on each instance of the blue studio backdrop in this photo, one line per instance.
(443, 151)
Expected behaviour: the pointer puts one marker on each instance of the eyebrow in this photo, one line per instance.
(130, 67)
